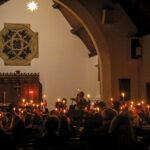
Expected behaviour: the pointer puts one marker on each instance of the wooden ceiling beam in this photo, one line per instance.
(3, 1)
(56, 6)
(76, 29)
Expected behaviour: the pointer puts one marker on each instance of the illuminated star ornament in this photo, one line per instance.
(32, 6)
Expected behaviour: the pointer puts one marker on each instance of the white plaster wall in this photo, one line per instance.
(63, 62)
(118, 36)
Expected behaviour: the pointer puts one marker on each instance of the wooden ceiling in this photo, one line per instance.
(139, 13)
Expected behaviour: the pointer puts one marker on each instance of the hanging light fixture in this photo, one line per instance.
(32, 5)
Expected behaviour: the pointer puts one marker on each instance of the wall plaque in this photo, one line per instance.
(18, 44)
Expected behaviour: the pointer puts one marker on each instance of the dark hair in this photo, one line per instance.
(122, 130)
(108, 114)
(52, 123)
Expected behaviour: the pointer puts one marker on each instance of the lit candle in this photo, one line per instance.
(31, 101)
(88, 96)
(41, 103)
(58, 99)
(142, 102)
(98, 109)
(123, 95)
(64, 111)
(44, 96)
(64, 101)
(23, 100)
(92, 103)
(139, 104)
(111, 100)
(148, 108)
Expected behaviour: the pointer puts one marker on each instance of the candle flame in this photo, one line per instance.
(88, 95)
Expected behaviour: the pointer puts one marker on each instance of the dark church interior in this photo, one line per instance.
(115, 31)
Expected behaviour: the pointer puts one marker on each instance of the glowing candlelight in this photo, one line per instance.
(64, 101)
(111, 99)
(42, 103)
(64, 111)
(56, 109)
(58, 99)
(31, 92)
(139, 104)
(14, 108)
(37, 105)
(98, 109)
(23, 100)
(88, 96)
(31, 101)
(44, 96)
(92, 103)
(132, 102)
(123, 95)
(148, 108)
(142, 102)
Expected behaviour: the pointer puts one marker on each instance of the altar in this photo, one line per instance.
(17, 86)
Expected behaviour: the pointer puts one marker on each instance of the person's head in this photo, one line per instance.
(122, 130)
(28, 119)
(108, 114)
(64, 124)
(52, 123)
(81, 94)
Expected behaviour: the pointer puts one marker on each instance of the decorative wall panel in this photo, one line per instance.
(18, 44)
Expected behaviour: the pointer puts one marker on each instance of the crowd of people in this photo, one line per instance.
(108, 128)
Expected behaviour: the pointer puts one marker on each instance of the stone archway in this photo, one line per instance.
(97, 37)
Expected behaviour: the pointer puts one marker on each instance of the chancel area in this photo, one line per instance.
(74, 74)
